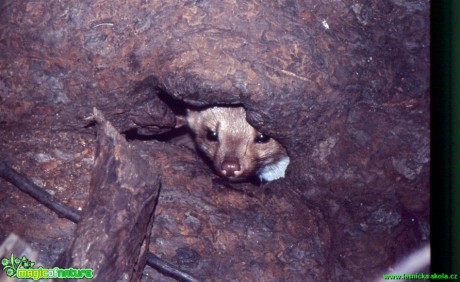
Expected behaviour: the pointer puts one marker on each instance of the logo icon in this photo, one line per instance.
(12, 265)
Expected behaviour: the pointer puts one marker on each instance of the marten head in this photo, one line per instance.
(236, 149)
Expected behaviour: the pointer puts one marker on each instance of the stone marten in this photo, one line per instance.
(237, 150)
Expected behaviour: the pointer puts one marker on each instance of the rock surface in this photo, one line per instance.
(344, 85)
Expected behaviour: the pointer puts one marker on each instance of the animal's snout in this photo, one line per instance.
(230, 167)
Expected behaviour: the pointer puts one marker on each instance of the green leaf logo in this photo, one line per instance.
(12, 264)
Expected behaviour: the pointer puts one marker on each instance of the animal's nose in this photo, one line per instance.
(230, 166)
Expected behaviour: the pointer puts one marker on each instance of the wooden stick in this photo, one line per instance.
(62, 210)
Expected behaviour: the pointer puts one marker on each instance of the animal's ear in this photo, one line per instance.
(192, 112)
(191, 117)
(181, 121)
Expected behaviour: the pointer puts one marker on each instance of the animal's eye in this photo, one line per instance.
(261, 138)
(211, 135)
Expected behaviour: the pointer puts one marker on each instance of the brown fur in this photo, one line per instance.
(236, 141)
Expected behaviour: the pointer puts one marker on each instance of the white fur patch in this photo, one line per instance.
(274, 171)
